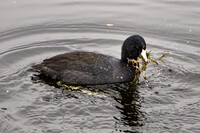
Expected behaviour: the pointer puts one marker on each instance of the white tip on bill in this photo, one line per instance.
(144, 55)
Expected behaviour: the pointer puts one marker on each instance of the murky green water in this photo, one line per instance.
(31, 31)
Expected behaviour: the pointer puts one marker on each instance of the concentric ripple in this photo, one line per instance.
(168, 101)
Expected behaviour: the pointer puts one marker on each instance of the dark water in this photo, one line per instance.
(31, 31)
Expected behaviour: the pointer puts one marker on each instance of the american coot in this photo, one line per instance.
(94, 68)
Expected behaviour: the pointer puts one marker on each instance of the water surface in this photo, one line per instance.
(168, 101)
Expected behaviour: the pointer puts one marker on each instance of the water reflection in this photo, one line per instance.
(129, 106)
(125, 98)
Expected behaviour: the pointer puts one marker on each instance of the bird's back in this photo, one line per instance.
(86, 68)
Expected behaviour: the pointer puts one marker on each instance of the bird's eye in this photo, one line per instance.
(137, 47)
(144, 47)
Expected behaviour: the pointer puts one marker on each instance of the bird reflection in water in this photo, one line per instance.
(129, 105)
(127, 97)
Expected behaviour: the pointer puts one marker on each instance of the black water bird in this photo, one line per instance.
(89, 68)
